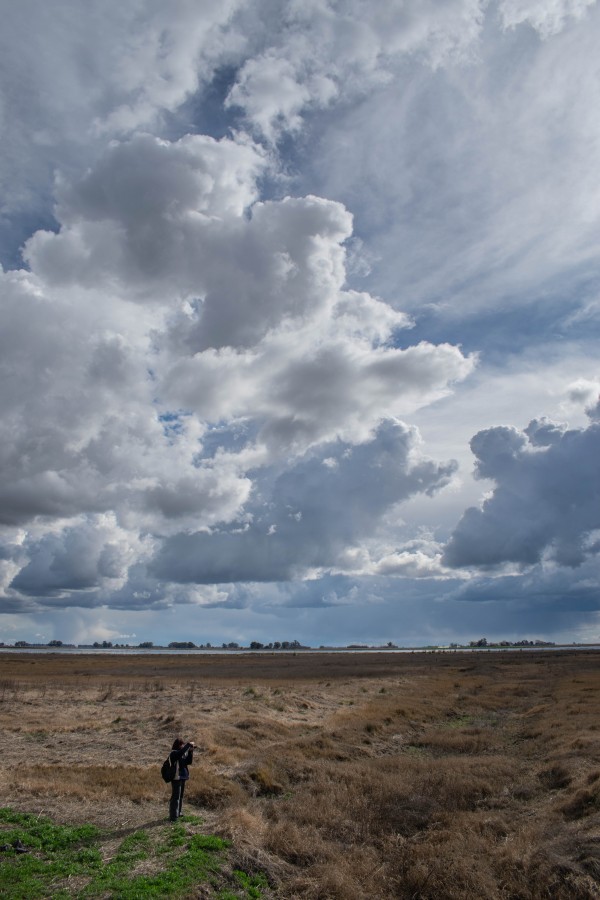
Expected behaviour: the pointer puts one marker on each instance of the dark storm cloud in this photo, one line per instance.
(553, 590)
(311, 516)
(546, 502)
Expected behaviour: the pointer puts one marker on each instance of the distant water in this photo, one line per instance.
(215, 651)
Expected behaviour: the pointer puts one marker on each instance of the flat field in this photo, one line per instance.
(345, 775)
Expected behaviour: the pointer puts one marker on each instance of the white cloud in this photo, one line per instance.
(416, 559)
(145, 219)
(170, 309)
(476, 188)
(270, 92)
(330, 52)
(303, 393)
(72, 76)
(584, 392)
(548, 17)
(92, 552)
(82, 433)
(190, 374)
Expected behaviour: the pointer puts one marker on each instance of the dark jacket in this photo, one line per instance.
(183, 757)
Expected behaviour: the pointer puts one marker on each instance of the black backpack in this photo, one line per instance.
(168, 770)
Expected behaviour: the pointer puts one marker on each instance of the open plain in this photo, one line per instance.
(337, 775)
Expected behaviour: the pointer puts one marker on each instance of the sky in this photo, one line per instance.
(300, 305)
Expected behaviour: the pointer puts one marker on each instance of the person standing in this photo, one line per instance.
(181, 757)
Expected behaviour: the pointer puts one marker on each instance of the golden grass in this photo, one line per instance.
(93, 782)
(422, 776)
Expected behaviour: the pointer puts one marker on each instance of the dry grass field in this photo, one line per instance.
(422, 776)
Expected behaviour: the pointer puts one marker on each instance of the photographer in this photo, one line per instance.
(181, 756)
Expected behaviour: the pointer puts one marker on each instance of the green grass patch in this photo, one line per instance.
(252, 884)
(191, 819)
(65, 861)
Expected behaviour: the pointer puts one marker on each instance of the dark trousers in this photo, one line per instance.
(176, 802)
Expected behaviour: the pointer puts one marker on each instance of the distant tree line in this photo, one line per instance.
(483, 642)
(277, 645)
(233, 645)
(174, 645)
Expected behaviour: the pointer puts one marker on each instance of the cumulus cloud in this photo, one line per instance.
(82, 432)
(302, 393)
(177, 344)
(72, 77)
(584, 392)
(89, 553)
(196, 391)
(545, 504)
(85, 75)
(418, 558)
(143, 220)
(313, 516)
(331, 52)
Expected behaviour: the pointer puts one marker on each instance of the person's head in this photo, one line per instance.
(177, 744)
